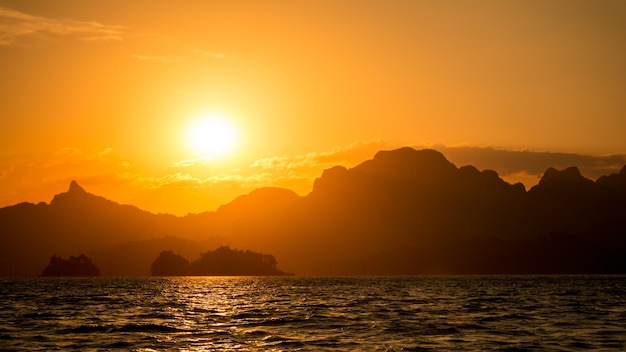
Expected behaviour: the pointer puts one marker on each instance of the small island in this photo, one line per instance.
(74, 266)
(223, 261)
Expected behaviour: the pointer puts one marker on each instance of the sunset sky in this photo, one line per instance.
(115, 93)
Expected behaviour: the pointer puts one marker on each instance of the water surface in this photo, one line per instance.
(516, 313)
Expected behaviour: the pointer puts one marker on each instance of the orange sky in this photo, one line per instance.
(104, 92)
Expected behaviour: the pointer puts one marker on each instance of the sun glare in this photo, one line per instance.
(212, 137)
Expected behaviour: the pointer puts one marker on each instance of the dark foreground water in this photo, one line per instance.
(550, 313)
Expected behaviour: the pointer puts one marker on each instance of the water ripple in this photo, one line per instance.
(332, 314)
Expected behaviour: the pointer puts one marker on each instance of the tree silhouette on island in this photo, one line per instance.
(74, 266)
(170, 264)
(223, 261)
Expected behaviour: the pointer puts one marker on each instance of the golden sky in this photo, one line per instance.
(106, 92)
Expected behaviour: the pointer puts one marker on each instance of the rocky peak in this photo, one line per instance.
(76, 188)
(74, 193)
(569, 176)
(569, 180)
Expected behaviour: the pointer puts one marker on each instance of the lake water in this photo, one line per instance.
(518, 313)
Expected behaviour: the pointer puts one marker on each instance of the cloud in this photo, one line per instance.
(188, 181)
(4, 172)
(300, 171)
(182, 53)
(348, 156)
(189, 163)
(184, 188)
(177, 179)
(157, 58)
(209, 54)
(70, 156)
(530, 165)
(294, 172)
(273, 163)
(513, 166)
(17, 27)
(21, 29)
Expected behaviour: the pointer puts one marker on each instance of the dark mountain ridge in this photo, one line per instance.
(79, 222)
(405, 211)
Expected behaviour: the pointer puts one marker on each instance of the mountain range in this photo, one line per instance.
(404, 212)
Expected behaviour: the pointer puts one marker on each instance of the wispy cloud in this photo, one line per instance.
(157, 58)
(178, 52)
(197, 185)
(70, 156)
(527, 166)
(296, 172)
(513, 166)
(341, 155)
(188, 181)
(300, 171)
(274, 163)
(4, 172)
(209, 54)
(189, 163)
(17, 27)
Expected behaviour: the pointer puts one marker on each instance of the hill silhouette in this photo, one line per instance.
(404, 211)
(73, 266)
(222, 261)
(170, 264)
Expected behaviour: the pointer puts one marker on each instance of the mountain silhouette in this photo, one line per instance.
(412, 212)
(78, 221)
(405, 211)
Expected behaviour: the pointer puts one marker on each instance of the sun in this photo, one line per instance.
(212, 136)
